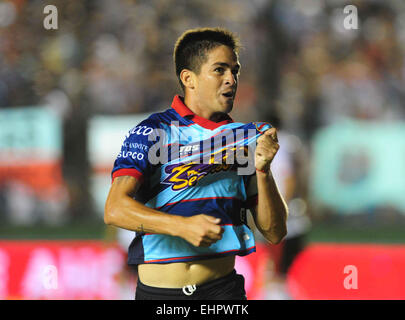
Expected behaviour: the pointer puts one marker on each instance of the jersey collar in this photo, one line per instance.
(179, 106)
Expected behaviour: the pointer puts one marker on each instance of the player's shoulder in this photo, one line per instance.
(153, 123)
(160, 119)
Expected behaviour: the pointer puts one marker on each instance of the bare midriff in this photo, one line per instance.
(179, 274)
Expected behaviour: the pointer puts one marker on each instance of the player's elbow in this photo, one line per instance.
(107, 218)
(276, 236)
(109, 215)
(276, 239)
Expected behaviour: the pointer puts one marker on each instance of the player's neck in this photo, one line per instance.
(200, 111)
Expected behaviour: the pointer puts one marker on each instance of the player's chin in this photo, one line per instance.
(227, 104)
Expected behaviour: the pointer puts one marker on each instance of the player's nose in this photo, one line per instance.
(230, 78)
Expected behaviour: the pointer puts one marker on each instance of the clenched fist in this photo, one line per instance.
(202, 230)
(266, 148)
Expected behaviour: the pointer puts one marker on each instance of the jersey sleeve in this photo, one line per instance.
(133, 159)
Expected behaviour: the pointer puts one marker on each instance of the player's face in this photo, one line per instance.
(216, 84)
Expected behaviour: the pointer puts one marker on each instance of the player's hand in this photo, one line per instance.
(202, 230)
(266, 148)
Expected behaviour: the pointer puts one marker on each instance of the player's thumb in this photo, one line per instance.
(272, 132)
(212, 219)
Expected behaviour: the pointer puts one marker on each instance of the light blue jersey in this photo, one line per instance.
(189, 165)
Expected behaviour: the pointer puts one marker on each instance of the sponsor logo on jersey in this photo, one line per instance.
(185, 175)
(131, 154)
(134, 145)
(185, 150)
(140, 130)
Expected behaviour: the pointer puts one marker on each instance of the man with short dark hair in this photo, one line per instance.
(189, 216)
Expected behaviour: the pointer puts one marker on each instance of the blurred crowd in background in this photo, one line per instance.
(301, 69)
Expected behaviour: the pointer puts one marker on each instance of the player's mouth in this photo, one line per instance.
(229, 94)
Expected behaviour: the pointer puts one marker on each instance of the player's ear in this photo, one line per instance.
(187, 78)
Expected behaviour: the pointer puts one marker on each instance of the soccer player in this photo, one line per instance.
(189, 216)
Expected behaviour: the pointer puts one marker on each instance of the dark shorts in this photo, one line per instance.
(230, 287)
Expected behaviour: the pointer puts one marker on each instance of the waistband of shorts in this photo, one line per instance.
(176, 291)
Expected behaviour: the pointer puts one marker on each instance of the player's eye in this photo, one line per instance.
(219, 70)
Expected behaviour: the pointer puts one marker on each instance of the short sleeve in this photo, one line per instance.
(132, 159)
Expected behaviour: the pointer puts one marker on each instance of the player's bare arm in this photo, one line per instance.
(270, 213)
(122, 211)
